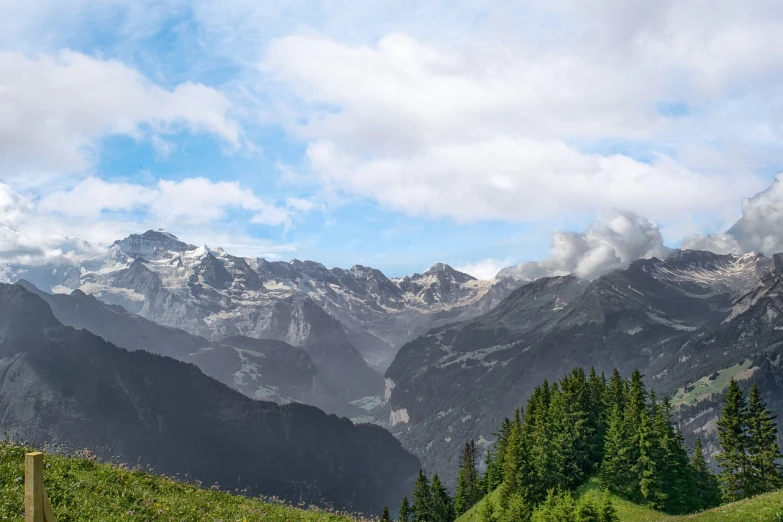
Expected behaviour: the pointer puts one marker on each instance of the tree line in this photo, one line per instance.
(615, 429)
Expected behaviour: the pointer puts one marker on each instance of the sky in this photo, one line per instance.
(564, 136)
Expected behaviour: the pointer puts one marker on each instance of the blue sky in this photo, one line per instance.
(389, 134)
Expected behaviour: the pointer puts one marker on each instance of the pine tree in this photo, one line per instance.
(512, 462)
(488, 511)
(541, 445)
(405, 511)
(616, 392)
(385, 517)
(501, 442)
(422, 500)
(468, 488)
(707, 490)
(441, 504)
(672, 461)
(733, 441)
(569, 433)
(608, 511)
(557, 507)
(635, 411)
(596, 418)
(493, 474)
(647, 468)
(513, 449)
(762, 447)
(587, 511)
(615, 471)
(517, 511)
(679, 480)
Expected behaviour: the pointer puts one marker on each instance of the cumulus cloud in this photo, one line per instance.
(490, 133)
(55, 108)
(195, 200)
(484, 268)
(760, 229)
(613, 241)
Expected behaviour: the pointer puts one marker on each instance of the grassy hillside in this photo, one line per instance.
(764, 508)
(82, 489)
(704, 387)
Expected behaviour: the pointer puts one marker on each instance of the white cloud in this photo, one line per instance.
(300, 204)
(484, 268)
(28, 238)
(194, 200)
(523, 180)
(484, 132)
(613, 241)
(484, 110)
(760, 229)
(55, 229)
(93, 195)
(54, 109)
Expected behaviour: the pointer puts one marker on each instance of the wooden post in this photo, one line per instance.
(36, 502)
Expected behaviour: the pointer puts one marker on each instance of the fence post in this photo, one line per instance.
(36, 502)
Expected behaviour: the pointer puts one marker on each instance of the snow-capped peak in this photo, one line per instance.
(443, 271)
(149, 245)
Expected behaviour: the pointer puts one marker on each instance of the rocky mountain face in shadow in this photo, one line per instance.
(69, 386)
(264, 369)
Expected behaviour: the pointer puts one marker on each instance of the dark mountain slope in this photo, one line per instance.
(67, 386)
(260, 368)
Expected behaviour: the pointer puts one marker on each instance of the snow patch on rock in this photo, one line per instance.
(399, 417)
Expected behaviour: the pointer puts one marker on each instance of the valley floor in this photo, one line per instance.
(764, 508)
(82, 489)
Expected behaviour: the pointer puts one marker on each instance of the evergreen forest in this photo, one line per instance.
(613, 429)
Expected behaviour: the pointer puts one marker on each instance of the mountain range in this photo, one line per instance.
(71, 387)
(348, 322)
(670, 318)
(211, 293)
(458, 354)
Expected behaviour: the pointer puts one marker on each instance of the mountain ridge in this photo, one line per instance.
(259, 368)
(70, 386)
(457, 382)
(209, 292)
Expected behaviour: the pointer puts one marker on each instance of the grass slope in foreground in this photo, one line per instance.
(81, 489)
(764, 508)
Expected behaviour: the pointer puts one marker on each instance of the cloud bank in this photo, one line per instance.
(72, 225)
(515, 112)
(613, 241)
(484, 268)
(523, 129)
(620, 237)
(55, 109)
(760, 229)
